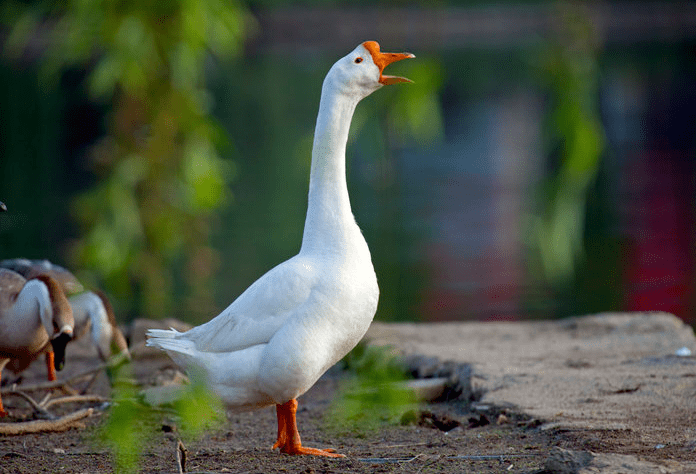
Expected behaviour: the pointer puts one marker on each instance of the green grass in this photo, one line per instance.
(372, 394)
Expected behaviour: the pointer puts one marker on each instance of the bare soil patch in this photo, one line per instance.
(473, 442)
(243, 445)
(444, 437)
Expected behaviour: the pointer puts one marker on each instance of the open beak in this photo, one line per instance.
(382, 60)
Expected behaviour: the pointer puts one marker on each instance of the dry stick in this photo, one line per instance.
(36, 406)
(58, 383)
(473, 457)
(75, 398)
(45, 399)
(68, 389)
(60, 424)
(390, 446)
(181, 457)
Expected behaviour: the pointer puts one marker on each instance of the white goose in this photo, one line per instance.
(92, 311)
(32, 313)
(279, 336)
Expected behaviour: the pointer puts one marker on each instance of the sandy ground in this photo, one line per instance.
(612, 383)
(533, 398)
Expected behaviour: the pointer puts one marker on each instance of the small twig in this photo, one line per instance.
(482, 457)
(75, 398)
(58, 383)
(390, 446)
(37, 407)
(389, 460)
(181, 457)
(45, 399)
(36, 426)
(68, 389)
(65, 384)
(499, 457)
(417, 456)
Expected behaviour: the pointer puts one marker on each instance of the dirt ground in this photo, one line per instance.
(480, 439)
(243, 444)
(613, 383)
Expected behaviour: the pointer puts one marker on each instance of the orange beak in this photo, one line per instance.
(382, 60)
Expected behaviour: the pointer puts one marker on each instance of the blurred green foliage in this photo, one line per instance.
(574, 140)
(197, 408)
(147, 221)
(148, 230)
(131, 424)
(371, 394)
(126, 427)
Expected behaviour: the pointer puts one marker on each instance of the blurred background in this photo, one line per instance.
(540, 166)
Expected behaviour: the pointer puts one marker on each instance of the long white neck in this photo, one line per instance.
(35, 295)
(330, 225)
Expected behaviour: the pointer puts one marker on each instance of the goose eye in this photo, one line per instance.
(358, 60)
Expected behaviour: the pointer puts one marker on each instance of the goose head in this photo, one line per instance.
(360, 73)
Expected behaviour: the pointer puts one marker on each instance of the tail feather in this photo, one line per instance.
(181, 350)
(170, 333)
(174, 345)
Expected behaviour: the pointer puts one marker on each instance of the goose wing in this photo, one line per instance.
(255, 316)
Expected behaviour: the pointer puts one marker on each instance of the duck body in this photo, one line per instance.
(301, 317)
(35, 319)
(22, 337)
(92, 311)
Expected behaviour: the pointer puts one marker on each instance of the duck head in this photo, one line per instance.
(62, 321)
(360, 73)
(59, 343)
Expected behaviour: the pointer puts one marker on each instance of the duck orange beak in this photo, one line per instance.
(382, 60)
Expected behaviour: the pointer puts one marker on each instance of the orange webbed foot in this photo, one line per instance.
(289, 438)
(311, 451)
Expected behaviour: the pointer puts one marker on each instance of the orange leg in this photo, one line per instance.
(288, 436)
(50, 365)
(3, 413)
(282, 435)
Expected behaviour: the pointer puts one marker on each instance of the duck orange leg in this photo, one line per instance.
(288, 436)
(51, 366)
(3, 413)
